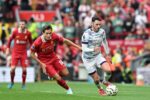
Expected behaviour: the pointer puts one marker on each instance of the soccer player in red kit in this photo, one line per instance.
(21, 37)
(47, 58)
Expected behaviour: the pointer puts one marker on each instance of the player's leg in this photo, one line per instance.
(24, 64)
(96, 79)
(53, 73)
(12, 75)
(60, 81)
(63, 71)
(107, 71)
(106, 67)
(105, 78)
(14, 63)
(24, 74)
(103, 64)
(90, 66)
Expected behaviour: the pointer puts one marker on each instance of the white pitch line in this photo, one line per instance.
(73, 94)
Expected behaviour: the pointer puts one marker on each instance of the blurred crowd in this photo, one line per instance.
(121, 19)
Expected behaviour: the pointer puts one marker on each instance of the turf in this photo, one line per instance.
(82, 91)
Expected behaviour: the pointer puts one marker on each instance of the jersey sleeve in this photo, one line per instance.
(105, 44)
(58, 38)
(34, 46)
(11, 38)
(30, 38)
(85, 42)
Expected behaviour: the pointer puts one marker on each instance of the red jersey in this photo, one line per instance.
(20, 41)
(45, 49)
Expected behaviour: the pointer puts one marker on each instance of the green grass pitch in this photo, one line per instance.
(82, 91)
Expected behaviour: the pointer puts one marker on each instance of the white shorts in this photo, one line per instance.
(91, 64)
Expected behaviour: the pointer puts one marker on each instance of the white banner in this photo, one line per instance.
(144, 72)
(5, 74)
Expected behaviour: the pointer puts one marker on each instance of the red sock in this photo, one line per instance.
(24, 73)
(63, 84)
(12, 75)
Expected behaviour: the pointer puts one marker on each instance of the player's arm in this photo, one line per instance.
(30, 39)
(105, 45)
(85, 43)
(9, 43)
(106, 48)
(68, 42)
(85, 48)
(34, 56)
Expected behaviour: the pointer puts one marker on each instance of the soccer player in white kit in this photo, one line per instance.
(92, 57)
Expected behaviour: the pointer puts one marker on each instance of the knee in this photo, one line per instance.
(96, 78)
(24, 69)
(106, 67)
(12, 69)
(66, 73)
(57, 78)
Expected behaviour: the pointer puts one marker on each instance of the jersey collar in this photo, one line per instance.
(42, 37)
(19, 30)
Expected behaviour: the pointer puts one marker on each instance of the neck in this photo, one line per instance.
(46, 39)
(93, 29)
(22, 30)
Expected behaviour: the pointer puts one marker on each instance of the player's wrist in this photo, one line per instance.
(108, 55)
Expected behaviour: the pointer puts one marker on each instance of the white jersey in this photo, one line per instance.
(90, 40)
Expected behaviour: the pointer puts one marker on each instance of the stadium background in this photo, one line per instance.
(126, 22)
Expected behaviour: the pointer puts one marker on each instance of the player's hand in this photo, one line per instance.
(7, 52)
(43, 68)
(108, 58)
(97, 49)
(80, 48)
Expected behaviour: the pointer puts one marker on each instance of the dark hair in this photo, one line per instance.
(46, 27)
(23, 21)
(95, 18)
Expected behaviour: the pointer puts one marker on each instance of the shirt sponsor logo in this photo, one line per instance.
(20, 42)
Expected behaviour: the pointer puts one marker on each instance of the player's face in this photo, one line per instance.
(47, 34)
(96, 25)
(22, 25)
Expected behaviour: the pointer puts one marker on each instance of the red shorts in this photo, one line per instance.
(54, 67)
(19, 58)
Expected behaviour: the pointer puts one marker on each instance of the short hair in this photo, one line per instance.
(46, 27)
(23, 21)
(96, 18)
